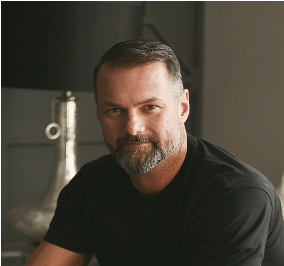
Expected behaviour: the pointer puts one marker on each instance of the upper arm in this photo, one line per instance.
(237, 229)
(48, 254)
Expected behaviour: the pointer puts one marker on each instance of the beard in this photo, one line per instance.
(141, 160)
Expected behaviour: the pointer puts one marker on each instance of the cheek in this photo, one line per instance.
(107, 128)
(111, 130)
(161, 124)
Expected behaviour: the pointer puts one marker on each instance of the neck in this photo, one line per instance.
(155, 180)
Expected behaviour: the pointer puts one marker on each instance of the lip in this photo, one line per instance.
(137, 143)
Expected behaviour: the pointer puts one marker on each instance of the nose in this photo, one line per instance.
(135, 124)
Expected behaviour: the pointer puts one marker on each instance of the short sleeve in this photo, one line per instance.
(67, 226)
(233, 229)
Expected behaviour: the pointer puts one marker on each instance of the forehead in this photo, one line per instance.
(153, 69)
(140, 78)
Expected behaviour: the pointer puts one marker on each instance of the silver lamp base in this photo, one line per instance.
(33, 220)
(280, 191)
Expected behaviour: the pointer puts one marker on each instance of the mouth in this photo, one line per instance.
(143, 143)
(135, 142)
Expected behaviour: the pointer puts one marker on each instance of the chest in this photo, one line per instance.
(135, 233)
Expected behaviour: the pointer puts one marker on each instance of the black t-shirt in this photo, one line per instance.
(216, 211)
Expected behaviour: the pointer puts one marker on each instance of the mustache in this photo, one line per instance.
(136, 138)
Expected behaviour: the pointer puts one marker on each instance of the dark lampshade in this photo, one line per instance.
(55, 45)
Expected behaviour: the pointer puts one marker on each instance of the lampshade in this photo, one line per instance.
(55, 45)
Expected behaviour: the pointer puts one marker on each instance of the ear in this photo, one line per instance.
(184, 106)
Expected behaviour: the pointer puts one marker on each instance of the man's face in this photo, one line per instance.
(140, 118)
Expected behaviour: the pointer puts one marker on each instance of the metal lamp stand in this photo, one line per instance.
(280, 191)
(33, 220)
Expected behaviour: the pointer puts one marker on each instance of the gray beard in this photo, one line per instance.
(142, 160)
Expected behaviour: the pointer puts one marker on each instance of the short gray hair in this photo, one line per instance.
(137, 52)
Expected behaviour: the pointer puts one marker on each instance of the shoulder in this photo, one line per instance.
(96, 169)
(217, 165)
(222, 182)
(93, 178)
(101, 164)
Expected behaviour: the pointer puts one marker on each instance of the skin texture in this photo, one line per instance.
(48, 254)
(136, 101)
(139, 101)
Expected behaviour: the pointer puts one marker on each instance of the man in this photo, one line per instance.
(163, 197)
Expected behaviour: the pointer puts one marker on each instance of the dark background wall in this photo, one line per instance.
(243, 82)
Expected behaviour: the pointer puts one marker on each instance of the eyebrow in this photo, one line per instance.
(153, 99)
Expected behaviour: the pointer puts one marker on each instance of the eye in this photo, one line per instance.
(150, 107)
(115, 110)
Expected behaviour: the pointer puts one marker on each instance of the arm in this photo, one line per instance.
(237, 230)
(48, 254)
